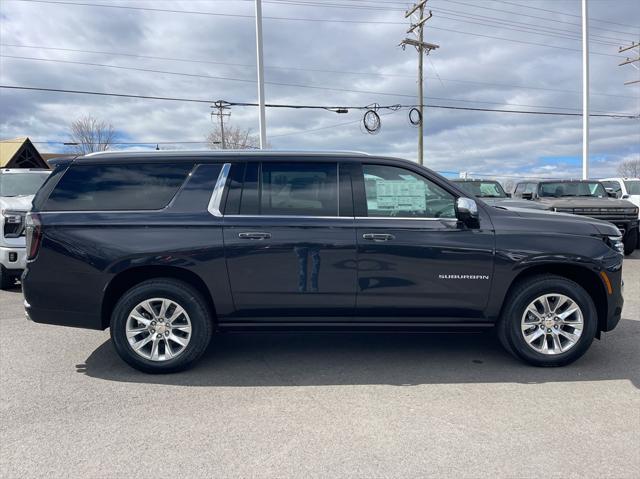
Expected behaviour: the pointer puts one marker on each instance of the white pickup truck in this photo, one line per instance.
(626, 189)
(17, 188)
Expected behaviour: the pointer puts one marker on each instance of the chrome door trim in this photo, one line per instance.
(218, 189)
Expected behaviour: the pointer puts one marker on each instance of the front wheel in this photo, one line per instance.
(161, 326)
(548, 321)
(630, 241)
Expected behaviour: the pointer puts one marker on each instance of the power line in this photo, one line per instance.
(446, 107)
(557, 32)
(295, 85)
(233, 15)
(341, 72)
(564, 13)
(398, 6)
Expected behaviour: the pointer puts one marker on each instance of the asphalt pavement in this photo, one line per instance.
(318, 405)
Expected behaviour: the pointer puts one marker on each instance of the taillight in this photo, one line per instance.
(33, 232)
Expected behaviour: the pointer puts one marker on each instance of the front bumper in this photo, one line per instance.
(13, 258)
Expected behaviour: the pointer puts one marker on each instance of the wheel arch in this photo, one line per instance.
(585, 277)
(125, 280)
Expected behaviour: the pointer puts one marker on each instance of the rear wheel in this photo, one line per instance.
(161, 326)
(548, 321)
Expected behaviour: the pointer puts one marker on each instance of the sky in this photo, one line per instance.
(493, 54)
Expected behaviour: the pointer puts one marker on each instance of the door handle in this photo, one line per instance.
(378, 236)
(254, 235)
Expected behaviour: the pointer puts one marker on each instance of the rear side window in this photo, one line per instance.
(304, 189)
(148, 186)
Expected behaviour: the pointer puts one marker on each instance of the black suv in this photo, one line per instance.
(167, 248)
(587, 198)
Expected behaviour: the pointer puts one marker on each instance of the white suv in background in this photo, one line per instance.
(17, 188)
(626, 189)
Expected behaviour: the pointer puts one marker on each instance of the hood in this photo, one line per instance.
(586, 202)
(552, 222)
(515, 203)
(16, 203)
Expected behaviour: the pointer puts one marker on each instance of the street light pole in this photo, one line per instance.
(260, 68)
(585, 91)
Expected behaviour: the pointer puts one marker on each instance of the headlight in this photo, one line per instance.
(12, 217)
(615, 242)
(13, 223)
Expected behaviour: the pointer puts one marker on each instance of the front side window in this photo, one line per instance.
(396, 192)
(519, 188)
(299, 189)
(117, 187)
(633, 187)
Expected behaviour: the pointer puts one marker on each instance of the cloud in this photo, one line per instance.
(466, 70)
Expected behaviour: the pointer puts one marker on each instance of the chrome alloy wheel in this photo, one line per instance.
(552, 324)
(158, 329)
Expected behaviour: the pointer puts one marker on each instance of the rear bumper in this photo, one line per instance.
(13, 258)
(45, 295)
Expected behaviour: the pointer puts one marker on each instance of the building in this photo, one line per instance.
(20, 153)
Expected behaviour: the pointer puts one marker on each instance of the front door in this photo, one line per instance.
(290, 242)
(415, 259)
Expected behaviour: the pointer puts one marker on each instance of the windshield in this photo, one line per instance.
(21, 184)
(483, 189)
(577, 188)
(633, 187)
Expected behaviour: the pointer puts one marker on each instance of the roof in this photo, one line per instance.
(8, 149)
(472, 180)
(221, 153)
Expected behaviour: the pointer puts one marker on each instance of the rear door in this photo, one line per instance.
(414, 258)
(290, 240)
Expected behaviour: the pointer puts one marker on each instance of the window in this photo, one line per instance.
(302, 189)
(396, 192)
(22, 184)
(633, 187)
(614, 187)
(519, 188)
(575, 188)
(117, 187)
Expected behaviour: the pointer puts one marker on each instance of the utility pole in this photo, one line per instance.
(585, 91)
(422, 47)
(631, 60)
(222, 106)
(260, 68)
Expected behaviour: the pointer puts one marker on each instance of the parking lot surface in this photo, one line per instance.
(318, 405)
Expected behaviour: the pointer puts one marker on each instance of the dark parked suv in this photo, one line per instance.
(584, 197)
(167, 248)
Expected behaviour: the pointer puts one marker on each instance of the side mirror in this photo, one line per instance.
(467, 212)
(624, 197)
(527, 196)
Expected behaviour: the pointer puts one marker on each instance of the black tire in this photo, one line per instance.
(6, 280)
(509, 325)
(184, 295)
(630, 241)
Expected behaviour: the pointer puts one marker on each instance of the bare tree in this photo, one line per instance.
(90, 135)
(234, 138)
(629, 168)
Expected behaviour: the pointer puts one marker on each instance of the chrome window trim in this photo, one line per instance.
(304, 217)
(218, 190)
(412, 218)
(309, 217)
